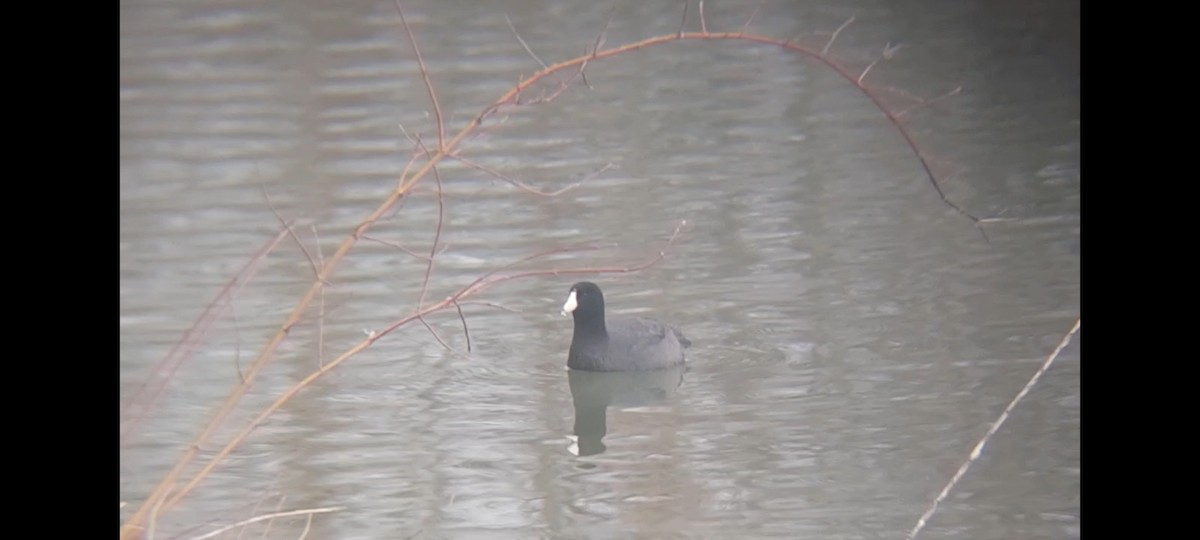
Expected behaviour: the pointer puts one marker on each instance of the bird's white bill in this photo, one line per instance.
(571, 304)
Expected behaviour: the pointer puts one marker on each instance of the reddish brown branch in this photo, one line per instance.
(149, 392)
(477, 286)
(437, 109)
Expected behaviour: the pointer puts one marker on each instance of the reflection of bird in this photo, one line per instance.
(619, 343)
(593, 393)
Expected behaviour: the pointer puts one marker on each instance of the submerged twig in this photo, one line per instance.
(466, 331)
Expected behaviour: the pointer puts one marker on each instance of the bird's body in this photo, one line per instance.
(619, 343)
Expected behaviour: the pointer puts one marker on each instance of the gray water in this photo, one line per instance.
(853, 336)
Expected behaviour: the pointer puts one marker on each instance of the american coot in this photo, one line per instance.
(620, 343)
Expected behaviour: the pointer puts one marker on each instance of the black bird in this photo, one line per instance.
(619, 343)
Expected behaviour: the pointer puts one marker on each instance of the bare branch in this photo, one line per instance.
(489, 304)
(287, 225)
(438, 337)
(408, 166)
(140, 403)
(751, 17)
(866, 70)
(523, 44)
(889, 51)
(399, 247)
(320, 304)
(562, 87)
(278, 508)
(922, 103)
(406, 135)
(437, 109)
(307, 527)
(481, 283)
(437, 237)
(526, 187)
(835, 35)
(256, 519)
(600, 39)
(978, 450)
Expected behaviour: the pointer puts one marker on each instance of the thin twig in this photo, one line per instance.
(437, 109)
(562, 86)
(267, 527)
(142, 400)
(153, 525)
(523, 44)
(256, 519)
(683, 21)
(703, 24)
(237, 343)
(865, 71)
(489, 304)
(399, 247)
(600, 39)
(751, 17)
(978, 450)
(438, 337)
(437, 237)
(466, 331)
(320, 303)
(291, 233)
(307, 527)
(835, 35)
(526, 187)
(889, 51)
(922, 103)
(416, 155)
(165, 489)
